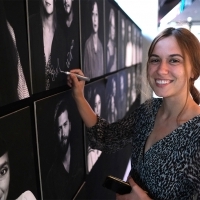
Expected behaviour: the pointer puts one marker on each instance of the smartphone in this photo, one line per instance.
(117, 185)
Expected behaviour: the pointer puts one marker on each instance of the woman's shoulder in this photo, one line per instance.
(152, 104)
(147, 109)
(27, 195)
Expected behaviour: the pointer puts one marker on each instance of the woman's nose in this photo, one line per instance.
(163, 68)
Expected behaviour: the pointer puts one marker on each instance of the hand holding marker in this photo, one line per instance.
(79, 76)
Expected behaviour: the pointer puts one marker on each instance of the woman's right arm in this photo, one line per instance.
(87, 114)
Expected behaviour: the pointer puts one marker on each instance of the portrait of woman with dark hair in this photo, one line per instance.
(112, 41)
(95, 94)
(134, 41)
(18, 166)
(47, 47)
(111, 94)
(13, 86)
(129, 45)
(93, 64)
(5, 175)
(122, 41)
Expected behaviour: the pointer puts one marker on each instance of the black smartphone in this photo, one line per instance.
(117, 185)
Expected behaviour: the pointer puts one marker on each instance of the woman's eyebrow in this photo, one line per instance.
(3, 164)
(153, 55)
(172, 55)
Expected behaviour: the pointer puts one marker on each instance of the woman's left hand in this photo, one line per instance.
(136, 193)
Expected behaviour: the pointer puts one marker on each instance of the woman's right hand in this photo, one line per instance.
(87, 114)
(76, 84)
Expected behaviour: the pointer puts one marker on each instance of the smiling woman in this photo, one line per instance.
(5, 176)
(164, 132)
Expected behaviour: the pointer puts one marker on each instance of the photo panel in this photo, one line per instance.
(129, 43)
(134, 40)
(61, 146)
(111, 94)
(122, 93)
(54, 41)
(138, 75)
(129, 80)
(122, 40)
(18, 157)
(133, 86)
(137, 46)
(111, 36)
(95, 95)
(15, 82)
(140, 48)
(92, 37)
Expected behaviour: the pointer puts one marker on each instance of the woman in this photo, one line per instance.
(164, 132)
(93, 53)
(4, 170)
(47, 48)
(13, 85)
(5, 175)
(111, 46)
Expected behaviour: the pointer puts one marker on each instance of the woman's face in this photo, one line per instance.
(67, 6)
(166, 71)
(48, 6)
(95, 18)
(4, 176)
(97, 105)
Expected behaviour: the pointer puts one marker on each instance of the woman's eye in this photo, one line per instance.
(174, 61)
(3, 171)
(154, 61)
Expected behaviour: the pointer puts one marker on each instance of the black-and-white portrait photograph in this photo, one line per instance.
(129, 44)
(95, 95)
(134, 40)
(61, 146)
(122, 40)
(137, 46)
(111, 20)
(54, 41)
(134, 91)
(129, 88)
(111, 98)
(92, 34)
(138, 76)
(140, 48)
(19, 177)
(122, 93)
(14, 58)
(68, 17)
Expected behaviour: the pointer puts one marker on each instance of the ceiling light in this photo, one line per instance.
(189, 19)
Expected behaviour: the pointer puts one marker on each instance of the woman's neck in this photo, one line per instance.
(47, 23)
(181, 109)
(69, 19)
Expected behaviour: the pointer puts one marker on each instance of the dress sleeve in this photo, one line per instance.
(22, 88)
(111, 137)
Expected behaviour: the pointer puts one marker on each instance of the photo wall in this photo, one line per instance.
(41, 132)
